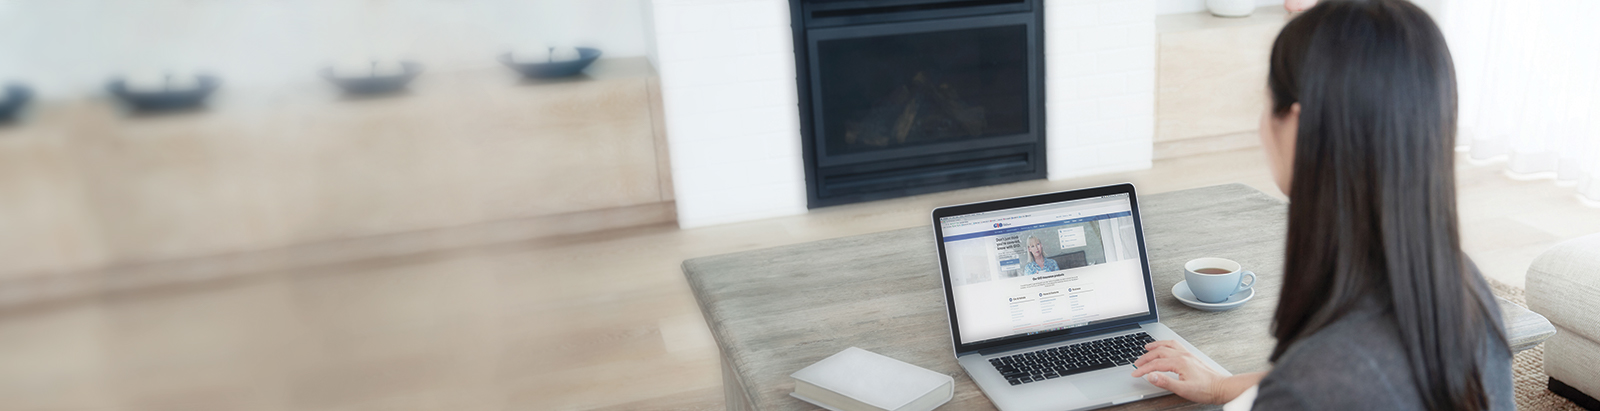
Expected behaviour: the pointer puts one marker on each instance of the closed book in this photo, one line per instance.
(861, 380)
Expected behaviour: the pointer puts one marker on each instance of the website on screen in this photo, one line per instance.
(1044, 268)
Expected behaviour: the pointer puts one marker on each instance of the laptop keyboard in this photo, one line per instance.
(1071, 359)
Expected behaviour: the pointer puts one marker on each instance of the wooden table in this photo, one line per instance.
(777, 310)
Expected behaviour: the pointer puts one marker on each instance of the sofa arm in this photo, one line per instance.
(1524, 329)
(1564, 285)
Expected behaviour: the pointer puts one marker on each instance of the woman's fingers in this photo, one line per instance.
(1159, 380)
(1164, 355)
(1161, 364)
(1164, 381)
(1147, 357)
(1159, 352)
(1173, 344)
(1162, 352)
(1193, 380)
(1194, 391)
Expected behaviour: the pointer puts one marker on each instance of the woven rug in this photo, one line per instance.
(1527, 367)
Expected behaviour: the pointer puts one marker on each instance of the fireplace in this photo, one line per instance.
(903, 97)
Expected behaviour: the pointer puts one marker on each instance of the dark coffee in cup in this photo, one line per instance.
(1214, 280)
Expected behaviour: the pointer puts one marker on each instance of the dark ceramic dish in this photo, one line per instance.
(167, 99)
(16, 96)
(554, 69)
(375, 84)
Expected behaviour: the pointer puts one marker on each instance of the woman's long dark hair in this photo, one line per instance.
(1372, 215)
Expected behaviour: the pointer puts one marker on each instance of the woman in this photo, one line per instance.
(1037, 263)
(1380, 310)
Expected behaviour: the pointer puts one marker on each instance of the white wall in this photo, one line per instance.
(1192, 6)
(1100, 76)
(1433, 7)
(647, 8)
(70, 47)
(728, 84)
(732, 116)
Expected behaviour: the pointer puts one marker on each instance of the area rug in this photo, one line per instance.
(1527, 367)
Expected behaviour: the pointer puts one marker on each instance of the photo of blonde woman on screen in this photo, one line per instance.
(1037, 263)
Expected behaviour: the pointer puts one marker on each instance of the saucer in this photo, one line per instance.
(1181, 291)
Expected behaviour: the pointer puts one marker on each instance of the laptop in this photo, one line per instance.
(1050, 298)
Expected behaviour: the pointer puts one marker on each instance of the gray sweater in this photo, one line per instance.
(1358, 363)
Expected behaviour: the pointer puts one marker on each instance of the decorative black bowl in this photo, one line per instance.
(553, 69)
(166, 99)
(16, 96)
(375, 84)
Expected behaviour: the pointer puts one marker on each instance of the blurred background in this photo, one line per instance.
(69, 47)
(259, 205)
(278, 156)
(285, 244)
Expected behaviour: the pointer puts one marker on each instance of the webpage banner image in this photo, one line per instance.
(1043, 270)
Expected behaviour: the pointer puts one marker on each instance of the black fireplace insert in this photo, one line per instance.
(904, 97)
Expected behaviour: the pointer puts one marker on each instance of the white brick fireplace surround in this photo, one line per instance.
(728, 85)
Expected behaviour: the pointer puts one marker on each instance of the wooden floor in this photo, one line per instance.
(600, 320)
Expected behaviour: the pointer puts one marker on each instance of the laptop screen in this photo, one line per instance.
(1042, 268)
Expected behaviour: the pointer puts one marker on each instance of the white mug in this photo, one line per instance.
(1215, 287)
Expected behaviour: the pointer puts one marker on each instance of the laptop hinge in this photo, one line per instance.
(1053, 340)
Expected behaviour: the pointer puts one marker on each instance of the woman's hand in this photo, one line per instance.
(1296, 6)
(1195, 381)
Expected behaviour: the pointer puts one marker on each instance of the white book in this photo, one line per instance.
(861, 380)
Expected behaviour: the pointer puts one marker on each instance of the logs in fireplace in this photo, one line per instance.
(903, 97)
(920, 110)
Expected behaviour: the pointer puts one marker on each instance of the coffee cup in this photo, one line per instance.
(1213, 280)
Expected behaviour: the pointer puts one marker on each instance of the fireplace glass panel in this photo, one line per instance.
(893, 91)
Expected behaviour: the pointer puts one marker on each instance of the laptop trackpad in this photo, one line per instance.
(1113, 384)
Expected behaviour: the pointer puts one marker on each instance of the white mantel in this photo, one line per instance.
(728, 86)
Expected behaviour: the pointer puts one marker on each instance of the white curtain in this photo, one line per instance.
(1528, 72)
